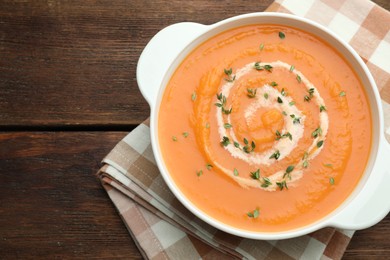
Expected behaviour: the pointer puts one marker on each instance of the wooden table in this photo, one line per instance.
(68, 94)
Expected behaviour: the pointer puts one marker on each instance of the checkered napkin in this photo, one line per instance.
(159, 224)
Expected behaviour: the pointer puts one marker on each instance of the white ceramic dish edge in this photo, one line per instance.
(366, 206)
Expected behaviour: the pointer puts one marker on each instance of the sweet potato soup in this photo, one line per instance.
(265, 128)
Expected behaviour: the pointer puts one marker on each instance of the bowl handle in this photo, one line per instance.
(372, 203)
(159, 54)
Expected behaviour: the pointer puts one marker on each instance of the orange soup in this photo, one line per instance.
(265, 128)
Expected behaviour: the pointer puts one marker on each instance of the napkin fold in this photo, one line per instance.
(163, 228)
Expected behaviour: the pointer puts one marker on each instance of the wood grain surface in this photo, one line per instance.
(74, 62)
(52, 204)
(68, 94)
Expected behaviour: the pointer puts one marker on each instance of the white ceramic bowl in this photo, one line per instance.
(366, 206)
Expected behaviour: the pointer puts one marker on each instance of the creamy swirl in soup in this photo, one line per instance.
(265, 128)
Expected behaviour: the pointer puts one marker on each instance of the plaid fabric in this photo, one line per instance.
(161, 226)
(361, 23)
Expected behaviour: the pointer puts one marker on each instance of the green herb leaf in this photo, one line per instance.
(231, 79)
(185, 134)
(317, 132)
(342, 94)
(280, 101)
(331, 181)
(251, 92)
(193, 96)
(235, 172)
(254, 214)
(282, 185)
(266, 95)
(299, 78)
(266, 182)
(222, 100)
(268, 68)
(282, 35)
(255, 175)
(209, 166)
(292, 67)
(248, 149)
(237, 145)
(283, 92)
(174, 138)
(320, 143)
(278, 135)
(261, 46)
(225, 141)
(288, 134)
(226, 111)
(305, 164)
(273, 84)
(295, 119)
(275, 155)
(311, 92)
(329, 165)
(322, 108)
(227, 125)
(207, 125)
(290, 168)
(199, 173)
(258, 66)
(228, 71)
(292, 103)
